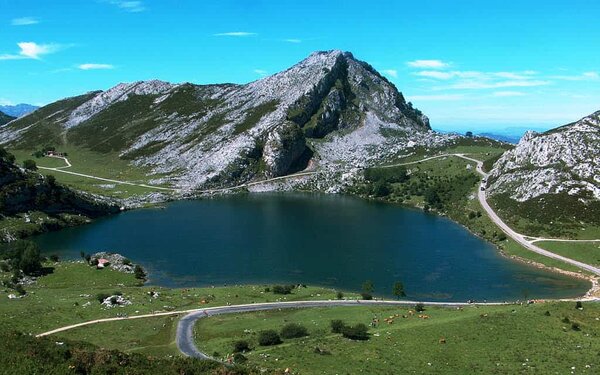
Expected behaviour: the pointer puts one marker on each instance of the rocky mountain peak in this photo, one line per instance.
(330, 108)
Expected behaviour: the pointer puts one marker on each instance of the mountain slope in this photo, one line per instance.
(4, 118)
(553, 175)
(18, 110)
(22, 192)
(329, 109)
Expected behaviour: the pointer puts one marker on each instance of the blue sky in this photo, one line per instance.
(466, 64)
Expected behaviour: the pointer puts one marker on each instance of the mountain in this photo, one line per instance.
(328, 110)
(555, 173)
(18, 110)
(4, 118)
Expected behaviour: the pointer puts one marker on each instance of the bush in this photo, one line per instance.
(339, 295)
(419, 307)
(283, 289)
(293, 330)
(579, 305)
(54, 258)
(337, 325)
(356, 332)
(241, 346)
(366, 296)
(19, 289)
(100, 297)
(268, 338)
(239, 358)
(30, 165)
(139, 272)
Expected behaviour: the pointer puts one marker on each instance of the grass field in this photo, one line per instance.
(587, 252)
(105, 165)
(487, 340)
(68, 295)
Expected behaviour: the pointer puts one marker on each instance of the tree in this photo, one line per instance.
(139, 272)
(367, 290)
(293, 330)
(268, 338)
(51, 180)
(30, 165)
(339, 295)
(419, 307)
(54, 258)
(381, 189)
(368, 287)
(28, 258)
(469, 134)
(398, 290)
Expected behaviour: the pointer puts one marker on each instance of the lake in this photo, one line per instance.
(329, 240)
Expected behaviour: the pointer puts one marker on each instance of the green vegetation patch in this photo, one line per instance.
(254, 115)
(550, 215)
(539, 338)
(586, 252)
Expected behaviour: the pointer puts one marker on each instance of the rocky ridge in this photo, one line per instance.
(562, 160)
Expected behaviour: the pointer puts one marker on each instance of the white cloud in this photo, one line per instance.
(435, 74)
(440, 97)
(261, 72)
(31, 50)
(478, 85)
(4, 101)
(587, 76)
(504, 94)
(293, 40)
(391, 72)
(428, 64)
(95, 66)
(236, 33)
(24, 21)
(128, 6)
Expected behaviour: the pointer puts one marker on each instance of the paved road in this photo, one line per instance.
(209, 191)
(185, 327)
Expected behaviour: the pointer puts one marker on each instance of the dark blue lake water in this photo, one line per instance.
(314, 239)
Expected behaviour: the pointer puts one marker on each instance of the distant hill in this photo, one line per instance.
(4, 118)
(330, 109)
(514, 139)
(18, 110)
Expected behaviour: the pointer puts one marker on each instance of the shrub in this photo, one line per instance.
(283, 289)
(337, 325)
(579, 305)
(54, 258)
(339, 295)
(575, 326)
(268, 338)
(293, 330)
(419, 307)
(102, 296)
(30, 165)
(239, 358)
(366, 296)
(241, 346)
(356, 332)
(19, 289)
(139, 272)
